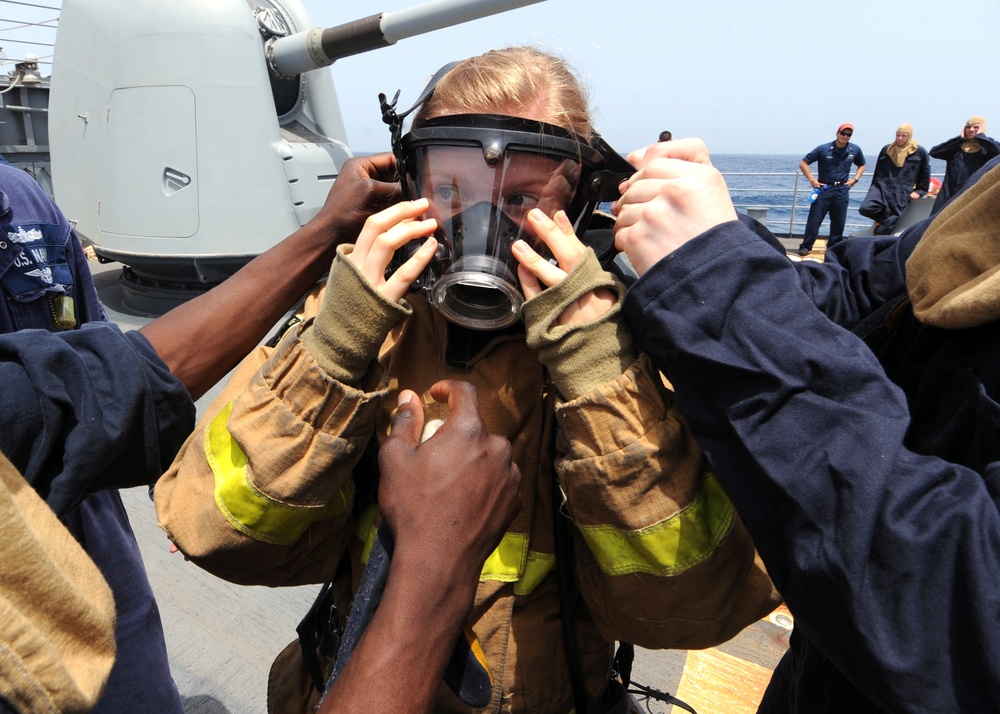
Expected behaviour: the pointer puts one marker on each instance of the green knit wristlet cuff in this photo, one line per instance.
(352, 323)
(586, 356)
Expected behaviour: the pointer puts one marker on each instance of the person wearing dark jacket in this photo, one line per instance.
(902, 174)
(80, 411)
(870, 484)
(46, 285)
(965, 154)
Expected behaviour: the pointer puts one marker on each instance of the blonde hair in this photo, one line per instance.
(518, 81)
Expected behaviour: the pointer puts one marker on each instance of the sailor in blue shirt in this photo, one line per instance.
(836, 161)
(40, 259)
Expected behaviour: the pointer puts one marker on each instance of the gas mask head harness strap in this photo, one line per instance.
(482, 173)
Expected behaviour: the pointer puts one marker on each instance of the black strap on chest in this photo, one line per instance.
(564, 575)
(320, 631)
(464, 345)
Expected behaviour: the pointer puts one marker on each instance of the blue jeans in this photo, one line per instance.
(832, 200)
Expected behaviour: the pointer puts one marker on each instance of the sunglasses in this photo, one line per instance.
(846, 133)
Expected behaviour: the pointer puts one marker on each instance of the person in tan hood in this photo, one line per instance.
(902, 174)
(965, 154)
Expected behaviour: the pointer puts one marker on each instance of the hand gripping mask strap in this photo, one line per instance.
(395, 120)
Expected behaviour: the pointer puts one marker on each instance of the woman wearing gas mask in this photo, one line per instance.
(479, 277)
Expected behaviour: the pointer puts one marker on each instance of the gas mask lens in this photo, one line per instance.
(480, 197)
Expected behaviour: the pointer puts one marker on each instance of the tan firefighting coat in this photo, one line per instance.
(57, 616)
(263, 491)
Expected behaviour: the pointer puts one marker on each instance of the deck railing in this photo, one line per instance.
(791, 194)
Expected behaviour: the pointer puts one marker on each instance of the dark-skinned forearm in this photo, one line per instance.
(200, 341)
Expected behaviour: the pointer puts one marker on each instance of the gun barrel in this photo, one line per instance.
(318, 47)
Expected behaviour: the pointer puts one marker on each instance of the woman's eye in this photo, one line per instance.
(446, 193)
(524, 202)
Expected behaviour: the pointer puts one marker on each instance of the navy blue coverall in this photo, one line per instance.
(891, 187)
(872, 498)
(42, 264)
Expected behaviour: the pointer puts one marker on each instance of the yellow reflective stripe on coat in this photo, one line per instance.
(672, 546)
(248, 509)
(510, 562)
(365, 530)
(538, 566)
(507, 562)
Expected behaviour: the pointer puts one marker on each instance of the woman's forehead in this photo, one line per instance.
(468, 160)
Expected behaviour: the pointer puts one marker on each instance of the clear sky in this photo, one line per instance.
(767, 77)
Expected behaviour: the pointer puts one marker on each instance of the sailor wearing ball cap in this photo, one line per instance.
(835, 161)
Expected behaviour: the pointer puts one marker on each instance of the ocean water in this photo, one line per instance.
(774, 182)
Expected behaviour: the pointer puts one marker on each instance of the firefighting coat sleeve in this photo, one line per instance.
(57, 614)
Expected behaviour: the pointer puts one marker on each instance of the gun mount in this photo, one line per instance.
(188, 137)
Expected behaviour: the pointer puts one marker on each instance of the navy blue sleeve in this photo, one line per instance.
(888, 560)
(88, 409)
(844, 285)
(878, 163)
(945, 149)
(859, 275)
(990, 146)
(859, 156)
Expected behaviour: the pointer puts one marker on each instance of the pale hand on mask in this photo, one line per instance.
(383, 234)
(675, 195)
(557, 233)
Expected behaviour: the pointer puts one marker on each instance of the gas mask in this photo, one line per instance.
(482, 174)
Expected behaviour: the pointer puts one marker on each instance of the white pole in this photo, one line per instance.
(315, 48)
(436, 14)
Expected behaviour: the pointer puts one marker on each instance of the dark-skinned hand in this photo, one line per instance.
(449, 499)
